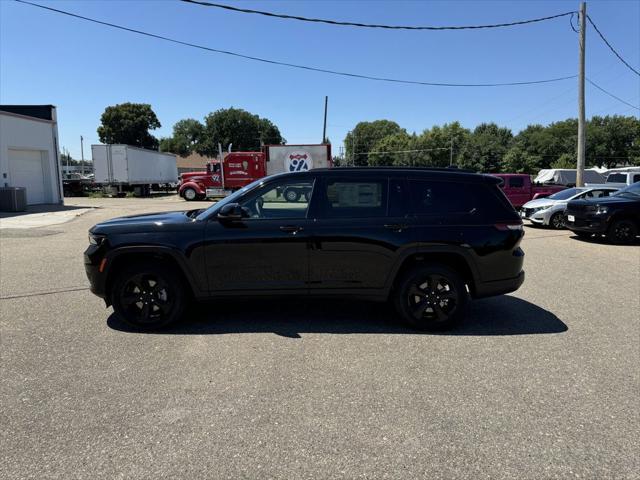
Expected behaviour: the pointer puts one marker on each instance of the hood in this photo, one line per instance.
(165, 221)
(613, 200)
(541, 202)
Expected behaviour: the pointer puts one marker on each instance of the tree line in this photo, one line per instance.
(130, 123)
(611, 140)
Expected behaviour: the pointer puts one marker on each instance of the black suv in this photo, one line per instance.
(616, 216)
(427, 239)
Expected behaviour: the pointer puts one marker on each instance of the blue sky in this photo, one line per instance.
(83, 67)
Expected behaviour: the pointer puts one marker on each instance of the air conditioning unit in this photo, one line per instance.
(13, 199)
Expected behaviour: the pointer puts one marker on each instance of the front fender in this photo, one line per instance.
(199, 190)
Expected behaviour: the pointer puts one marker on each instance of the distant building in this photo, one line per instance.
(192, 163)
(29, 152)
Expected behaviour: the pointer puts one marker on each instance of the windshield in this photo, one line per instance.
(565, 194)
(230, 199)
(631, 190)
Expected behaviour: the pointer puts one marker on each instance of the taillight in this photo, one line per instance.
(509, 226)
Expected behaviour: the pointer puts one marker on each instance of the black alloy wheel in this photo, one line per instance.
(147, 296)
(557, 221)
(432, 297)
(622, 232)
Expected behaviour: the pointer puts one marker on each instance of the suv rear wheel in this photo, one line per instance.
(148, 296)
(431, 297)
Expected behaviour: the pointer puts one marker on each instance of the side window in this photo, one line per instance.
(284, 199)
(351, 198)
(516, 182)
(636, 178)
(437, 198)
(398, 201)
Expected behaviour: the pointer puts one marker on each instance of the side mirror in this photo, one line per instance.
(231, 212)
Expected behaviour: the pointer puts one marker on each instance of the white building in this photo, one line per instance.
(29, 152)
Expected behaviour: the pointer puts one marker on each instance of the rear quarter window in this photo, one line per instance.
(432, 197)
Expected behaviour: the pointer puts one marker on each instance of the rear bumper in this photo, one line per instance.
(499, 287)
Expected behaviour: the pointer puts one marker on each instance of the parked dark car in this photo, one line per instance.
(426, 239)
(616, 216)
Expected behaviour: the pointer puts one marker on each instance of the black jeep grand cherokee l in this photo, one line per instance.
(427, 239)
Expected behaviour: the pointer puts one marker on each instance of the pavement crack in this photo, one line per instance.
(43, 292)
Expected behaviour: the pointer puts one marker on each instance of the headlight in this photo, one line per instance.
(600, 210)
(96, 239)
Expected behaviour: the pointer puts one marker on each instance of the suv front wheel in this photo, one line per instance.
(431, 297)
(148, 296)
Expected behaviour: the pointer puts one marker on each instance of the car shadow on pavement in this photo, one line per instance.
(504, 315)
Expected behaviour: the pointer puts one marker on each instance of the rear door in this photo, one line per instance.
(361, 228)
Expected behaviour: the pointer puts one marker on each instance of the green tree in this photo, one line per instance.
(613, 140)
(129, 124)
(186, 138)
(361, 140)
(386, 151)
(517, 160)
(566, 160)
(244, 130)
(487, 146)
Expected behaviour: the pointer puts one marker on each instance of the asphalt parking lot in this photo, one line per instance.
(542, 383)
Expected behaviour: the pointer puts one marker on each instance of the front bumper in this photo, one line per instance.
(586, 223)
(540, 217)
(97, 279)
(499, 287)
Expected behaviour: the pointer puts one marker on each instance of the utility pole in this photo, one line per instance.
(81, 155)
(581, 115)
(451, 153)
(324, 128)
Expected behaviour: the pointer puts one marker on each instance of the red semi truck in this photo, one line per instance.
(242, 168)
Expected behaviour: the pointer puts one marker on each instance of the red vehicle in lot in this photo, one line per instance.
(519, 188)
(240, 169)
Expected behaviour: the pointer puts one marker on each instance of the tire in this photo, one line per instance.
(431, 297)
(291, 195)
(189, 194)
(557, 221)
(147, 296)
(622, 231)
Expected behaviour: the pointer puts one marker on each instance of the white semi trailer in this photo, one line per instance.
(127, 168)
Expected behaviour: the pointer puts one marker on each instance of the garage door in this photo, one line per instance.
(25, 168)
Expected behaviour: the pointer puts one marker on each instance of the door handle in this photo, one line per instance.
(396, 227)
(291, 229)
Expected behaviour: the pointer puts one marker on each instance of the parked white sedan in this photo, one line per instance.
(549, 211)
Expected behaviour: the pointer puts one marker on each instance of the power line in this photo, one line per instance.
(372, 25)
(611, 47)
(611, 94)
(403, 151)
(293, 65)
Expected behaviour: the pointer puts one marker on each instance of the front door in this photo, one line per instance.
(268, 250)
